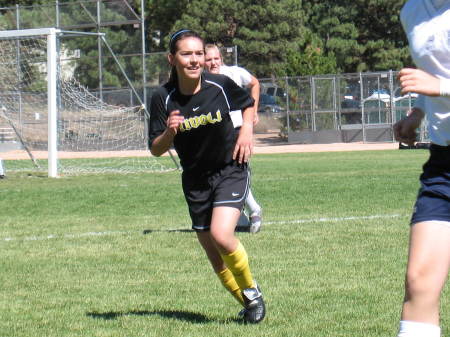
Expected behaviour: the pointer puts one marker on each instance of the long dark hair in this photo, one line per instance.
(175, 37)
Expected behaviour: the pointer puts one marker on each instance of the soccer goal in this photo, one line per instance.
(61, 125)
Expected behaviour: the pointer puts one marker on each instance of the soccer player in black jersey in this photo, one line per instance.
(209, 120)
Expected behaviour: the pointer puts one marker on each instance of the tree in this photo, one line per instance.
(160, 18)
(263, 30)
(12, 3)
(381, 31)
(364, 35)
(310, 60)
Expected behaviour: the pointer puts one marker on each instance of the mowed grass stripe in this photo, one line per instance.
(147, 231)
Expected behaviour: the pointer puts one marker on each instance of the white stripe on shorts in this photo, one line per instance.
(437, 222)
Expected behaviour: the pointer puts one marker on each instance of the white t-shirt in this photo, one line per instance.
(427, 26)
(239, 75)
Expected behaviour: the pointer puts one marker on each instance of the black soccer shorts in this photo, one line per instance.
(433, 200)
(228, 186)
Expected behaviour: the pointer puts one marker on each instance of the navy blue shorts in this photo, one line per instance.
(228, 186)
(433, 200)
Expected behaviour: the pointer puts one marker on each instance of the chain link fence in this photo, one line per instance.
(356, 107)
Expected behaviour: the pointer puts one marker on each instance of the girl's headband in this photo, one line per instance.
(174, 35)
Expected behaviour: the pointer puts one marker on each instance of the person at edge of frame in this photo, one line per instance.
(427, 26)
(215, 65)
(209, 120)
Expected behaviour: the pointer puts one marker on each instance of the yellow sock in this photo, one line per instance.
(228, 281)
(237, 262)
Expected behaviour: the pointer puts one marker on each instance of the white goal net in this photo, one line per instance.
(90, 136)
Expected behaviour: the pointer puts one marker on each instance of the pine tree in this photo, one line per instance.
(263, 30)
(364, 35)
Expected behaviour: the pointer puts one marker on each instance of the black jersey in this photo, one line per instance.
(205, 141)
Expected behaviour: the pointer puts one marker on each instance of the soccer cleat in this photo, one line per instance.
(255, 309)
(255, 221)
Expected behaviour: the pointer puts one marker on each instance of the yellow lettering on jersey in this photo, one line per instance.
(195, 122)
(219, 116)
(185, 126)
(210, 119)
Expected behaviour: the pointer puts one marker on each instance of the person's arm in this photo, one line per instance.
(254, 92)
(164, 141)
(244, 144)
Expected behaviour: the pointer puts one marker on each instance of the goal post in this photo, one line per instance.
(57, 119)
(52, 63)
(52, 71)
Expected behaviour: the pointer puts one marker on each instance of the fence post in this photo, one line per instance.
(392, 100)
(288, 124)
(338, 104)
(335, 121)
(363, 122)
(313, 104)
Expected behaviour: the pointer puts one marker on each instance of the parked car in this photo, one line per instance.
(275, 91)
(272, 89)
(268, 105)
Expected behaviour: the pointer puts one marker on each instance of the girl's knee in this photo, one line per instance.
(421, 283)
(225, 242)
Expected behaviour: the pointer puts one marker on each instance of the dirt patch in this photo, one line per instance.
(269, 142)
(334, 147)
(260, 148)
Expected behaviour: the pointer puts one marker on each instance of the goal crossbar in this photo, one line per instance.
(28, 32)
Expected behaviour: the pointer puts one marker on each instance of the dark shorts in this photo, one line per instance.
(226, 187)
(433, 200)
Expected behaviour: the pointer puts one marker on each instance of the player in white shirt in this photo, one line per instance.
(427, 25)
(214, 64)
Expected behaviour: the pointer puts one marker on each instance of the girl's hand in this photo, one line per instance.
(244, 144)
(174, 121)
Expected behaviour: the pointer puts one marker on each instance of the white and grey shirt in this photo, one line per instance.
(427, 26)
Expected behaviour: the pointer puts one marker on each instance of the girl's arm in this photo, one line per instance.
(164, 141)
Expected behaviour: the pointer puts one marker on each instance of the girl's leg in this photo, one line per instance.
(426, 274)
(223, 273)
(427, 271)
(223, 223)
(223, 249)
(251, 203)
(255, 212)
(233, 255)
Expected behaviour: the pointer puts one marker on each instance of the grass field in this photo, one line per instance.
(112, 255)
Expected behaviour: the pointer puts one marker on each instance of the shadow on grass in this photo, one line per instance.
(185, 316)
(242, 229)
(150, 231)
(176, 314)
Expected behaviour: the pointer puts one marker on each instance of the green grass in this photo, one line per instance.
(109, 255)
